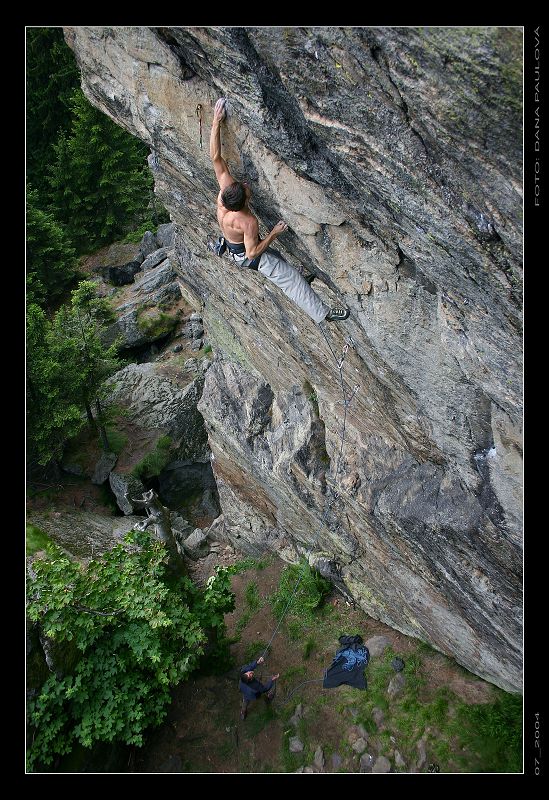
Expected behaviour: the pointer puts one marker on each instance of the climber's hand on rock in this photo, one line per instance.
(280, 227)
(220, 111)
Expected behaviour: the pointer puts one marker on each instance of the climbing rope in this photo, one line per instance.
(329, 504)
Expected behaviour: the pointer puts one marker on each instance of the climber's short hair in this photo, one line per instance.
(234, 196)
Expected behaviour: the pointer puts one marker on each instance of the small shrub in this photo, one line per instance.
(36, 540)
(252, 596)
(301, 591)
(253, 650)
(154, 462)
(247, 563)
(309, 647)
(117, 440)
(156, 325)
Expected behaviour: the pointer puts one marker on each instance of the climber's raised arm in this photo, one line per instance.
(224, 177)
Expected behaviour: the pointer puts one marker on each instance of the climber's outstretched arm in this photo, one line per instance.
(224, 177)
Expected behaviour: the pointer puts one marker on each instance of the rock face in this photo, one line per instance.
(395, 156)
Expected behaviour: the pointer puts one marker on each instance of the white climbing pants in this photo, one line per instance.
(287, 278)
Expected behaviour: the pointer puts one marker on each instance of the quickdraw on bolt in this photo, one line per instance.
(199, 115)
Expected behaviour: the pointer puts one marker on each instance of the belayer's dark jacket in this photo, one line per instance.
(254, 689)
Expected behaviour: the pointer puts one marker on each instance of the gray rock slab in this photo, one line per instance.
(396, 685)
(377, 645)
(296, 745)
(148, 244)
(378, 716)
(360, 745)
(319, 759)
(154, 259)
(196, 545)
(381, 765)
(104, 467)
(125, 484)
(165, 234)
(366, 762)
(155, 278)
(84, 534)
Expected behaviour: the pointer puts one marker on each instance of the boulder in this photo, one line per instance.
(396, 685)
(377, 645)
(123, 485)
(366, 762)
(121, 274)
(165, 234)
(360, 745)
(149, 244)
(296, 745)
(381, 765)
(156, 400)
(378, 716)
(319, 759)
(399, 761)
(154, 259)
(104, 467)
(196, 545)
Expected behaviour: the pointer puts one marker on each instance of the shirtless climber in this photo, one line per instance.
(241, 233)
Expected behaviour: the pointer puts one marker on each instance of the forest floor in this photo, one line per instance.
(418, 730)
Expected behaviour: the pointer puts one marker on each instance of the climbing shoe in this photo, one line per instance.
(337, 313)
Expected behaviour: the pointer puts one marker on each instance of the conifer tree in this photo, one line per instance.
(54, 411)
(101, 186)
(51, 77)
(51, 259)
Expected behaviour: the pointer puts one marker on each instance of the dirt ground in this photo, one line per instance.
(203, 732)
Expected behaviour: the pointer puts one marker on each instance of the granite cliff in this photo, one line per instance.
(395, 156)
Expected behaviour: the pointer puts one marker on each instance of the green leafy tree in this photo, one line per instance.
(67, 365)
(138, 634)
(101, 186)
(51, 77)
(51, 259)
(54, 410)
(79, 327)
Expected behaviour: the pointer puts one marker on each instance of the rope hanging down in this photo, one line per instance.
(329, 503)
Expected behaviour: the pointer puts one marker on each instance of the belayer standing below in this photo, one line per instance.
(241, 233)
(252, 689)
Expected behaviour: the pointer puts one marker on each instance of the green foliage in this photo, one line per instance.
(493, 732)
(310, 589)
(309, 646)
(54, 412)
(138, 633)
(252, 596)
(207, 349)
(36, 540)
(51, 78)
(153, 463)
(100, 183)
(253, 650)
(247, 563)
(134, 237)
(117, 440)
(51, 259)
(156, 325)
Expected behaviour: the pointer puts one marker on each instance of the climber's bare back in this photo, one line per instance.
(234, 224)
